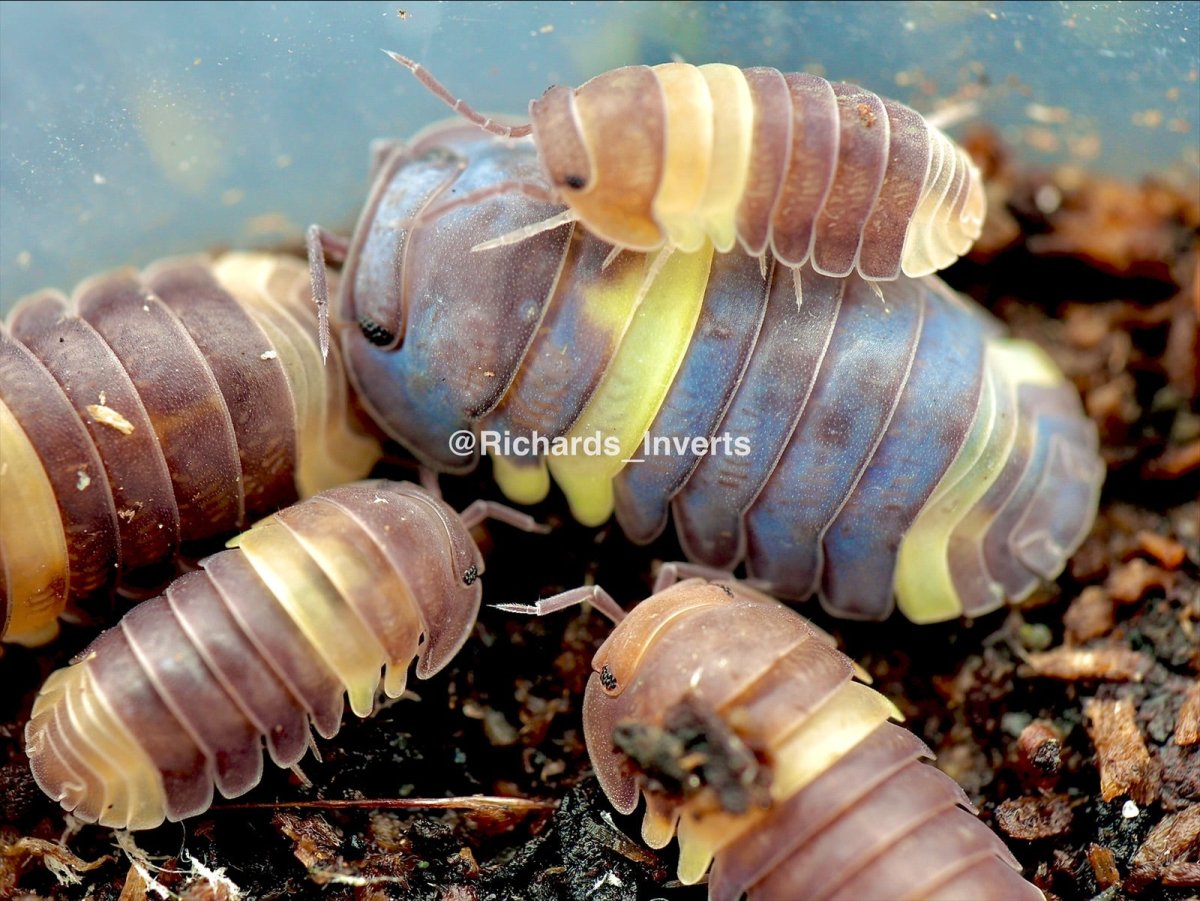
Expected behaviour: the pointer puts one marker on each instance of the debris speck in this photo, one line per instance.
(82, 479)
(268, 355)
(108, 416)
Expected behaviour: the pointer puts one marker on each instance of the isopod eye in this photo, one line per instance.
(471, 575)
(375, 333)
(576, 182)
(607, 679)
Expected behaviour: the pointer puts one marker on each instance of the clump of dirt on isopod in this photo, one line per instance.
(1073, 722)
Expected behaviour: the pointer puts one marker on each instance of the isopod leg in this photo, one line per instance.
(383, 149)
(592, 594)
(320, 242)
(676, 571)
(482, 510)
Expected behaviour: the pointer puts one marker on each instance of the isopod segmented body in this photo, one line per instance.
(259, 643)
(674, 156)
(747, 735)
(847, 445)
(156, 409)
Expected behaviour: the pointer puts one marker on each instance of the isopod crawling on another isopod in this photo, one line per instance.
(743, 730)
(259, 644)
(900, 446)
(155, 409)
(673, 156)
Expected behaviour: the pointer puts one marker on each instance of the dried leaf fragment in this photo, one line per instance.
(1125, 765)
(314, 842)
(1112, 663)
(1033, 817)
(58, 859)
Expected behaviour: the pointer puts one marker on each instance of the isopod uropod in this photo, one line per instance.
(263, 640)
(747, 736)
(669, 156)
(156, 409)
(902, 445)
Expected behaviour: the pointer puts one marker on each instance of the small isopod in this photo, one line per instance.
(748, 738)
(673, 156)
(259, 644)
(876, 441)
(156, 409)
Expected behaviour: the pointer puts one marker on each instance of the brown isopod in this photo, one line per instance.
(744, 730)
(667, 157)
(263, 640)
(156, 409)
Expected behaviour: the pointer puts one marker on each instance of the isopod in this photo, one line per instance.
(261, 642)
(156, 409)
(745, 733)
(897, 445)
(668, 157)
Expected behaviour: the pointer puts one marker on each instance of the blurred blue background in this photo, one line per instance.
(133, 130)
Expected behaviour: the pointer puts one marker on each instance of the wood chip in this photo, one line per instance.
(1166, 551)
(1034, 816)
(1124, 763)
(1104, 867)
(134, 888)
(1187, 727)
(1175, 462)
(1186, 875)
(1112, 664)
(1168, 842)
(1132, 581)
(1039, 753)
(1089, 616)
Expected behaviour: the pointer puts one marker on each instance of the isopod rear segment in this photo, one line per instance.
(748, 738)
(677, 156)
(156, 409)
(259, 644)
(895, 441)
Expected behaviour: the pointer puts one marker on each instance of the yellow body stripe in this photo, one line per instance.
(689, 152)
(33, 545)
(638, 379)
(326, 620)
(523, 481)
(329, 450)
(925, 591)
(733, 131)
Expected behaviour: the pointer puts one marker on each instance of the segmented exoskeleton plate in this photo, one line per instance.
(893, 441)
(156, 409)
(261, 642)
(748, 737)
(676, 156)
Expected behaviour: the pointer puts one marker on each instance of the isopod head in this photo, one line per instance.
(746, 734)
